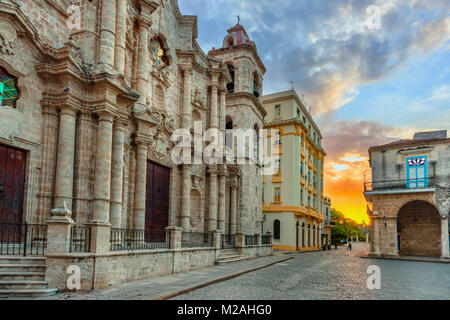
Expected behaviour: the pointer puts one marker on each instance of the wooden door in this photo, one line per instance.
(12, 182)
(157, 201)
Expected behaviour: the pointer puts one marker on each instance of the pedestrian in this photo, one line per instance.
(335, 245)
(349, 246)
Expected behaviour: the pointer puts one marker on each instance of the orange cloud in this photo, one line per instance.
(346, 164)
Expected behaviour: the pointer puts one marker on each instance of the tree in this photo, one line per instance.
(345, 228)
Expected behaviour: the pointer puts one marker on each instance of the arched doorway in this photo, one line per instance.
(419, 229)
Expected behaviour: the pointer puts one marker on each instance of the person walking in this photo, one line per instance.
(349, 246)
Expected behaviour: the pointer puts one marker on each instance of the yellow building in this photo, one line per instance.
(292, 199)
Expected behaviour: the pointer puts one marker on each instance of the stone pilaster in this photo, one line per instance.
(121, 29)
(65, 158)
(49, 146)
(214, 118)
(222, 109)
(140, 185)
(142, 71)
(444, 238)
(117, 173)
(233, 211)
(186, 198)
(222, 206)
(187, 108)
(107, 32)
(212, 221)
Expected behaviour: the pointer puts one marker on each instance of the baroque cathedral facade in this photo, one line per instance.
(88, 111)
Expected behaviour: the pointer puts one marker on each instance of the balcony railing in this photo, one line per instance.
(421, 183)
(196, 239)
(80, 239)
(251, 240)
(136, 239)
(228, 241)
(23, 239)
(266, 239)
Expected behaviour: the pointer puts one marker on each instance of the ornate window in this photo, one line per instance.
(8, 89)
(159, 54)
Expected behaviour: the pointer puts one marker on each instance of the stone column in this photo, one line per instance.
(65, 158)
(100, 226)
(444, 238)
(49, 146)
(233, 211)
(141, 78)
(102, 176)
(186, 198)
(121, 29)
(107, 32)
(212, 221)
(186, 173)
(140, 188)
(222, 204)
(214, 119)
(117, 173)
(223, 109)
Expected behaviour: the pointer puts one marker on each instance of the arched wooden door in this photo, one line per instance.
(12, 182)
(157, 201)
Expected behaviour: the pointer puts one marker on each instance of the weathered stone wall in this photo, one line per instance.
(420, 229)
(102, 271)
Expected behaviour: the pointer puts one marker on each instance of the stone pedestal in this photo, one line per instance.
(240, 240)
(58, 231)
(258, 239)
(100, 236)
(175, 237)
(217, 239)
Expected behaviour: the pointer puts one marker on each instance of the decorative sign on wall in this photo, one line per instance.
(157, 53)
(416, 162)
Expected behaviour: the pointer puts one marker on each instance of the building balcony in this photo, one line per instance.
(303, 181)
(303, 153)
(400, 186)
(277, 178)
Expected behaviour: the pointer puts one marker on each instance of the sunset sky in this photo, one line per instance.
(365, 87)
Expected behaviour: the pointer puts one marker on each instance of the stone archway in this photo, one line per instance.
(419, 229)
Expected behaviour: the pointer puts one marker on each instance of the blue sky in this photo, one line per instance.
(366, 86)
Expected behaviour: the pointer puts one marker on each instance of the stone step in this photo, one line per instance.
(4, 259)
(229, 260)
(27, 292)
(22, 275)
(23, 284)
(22, 267)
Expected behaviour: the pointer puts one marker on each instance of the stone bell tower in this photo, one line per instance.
(244, 111)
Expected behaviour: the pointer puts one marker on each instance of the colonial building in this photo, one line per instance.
(326, 223)
(409, 196)
(87, 112)
(293, 196)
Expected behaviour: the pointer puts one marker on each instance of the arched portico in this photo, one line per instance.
(419, 229)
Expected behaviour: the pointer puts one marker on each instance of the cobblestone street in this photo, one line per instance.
(334, 274)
